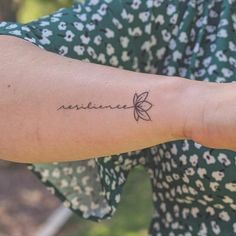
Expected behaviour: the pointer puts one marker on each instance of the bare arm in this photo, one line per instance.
(41, 93)
(55, 108)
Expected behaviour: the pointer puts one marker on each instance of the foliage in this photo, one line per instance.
(33, 9)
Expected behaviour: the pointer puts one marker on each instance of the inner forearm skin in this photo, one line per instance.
(55, 108)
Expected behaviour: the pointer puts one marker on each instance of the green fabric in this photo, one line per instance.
(193, 186)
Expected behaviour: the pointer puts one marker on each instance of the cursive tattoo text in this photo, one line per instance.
(140, 106)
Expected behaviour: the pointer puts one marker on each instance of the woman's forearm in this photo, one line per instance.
(55, 108)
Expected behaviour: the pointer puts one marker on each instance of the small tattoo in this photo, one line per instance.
(140, 106)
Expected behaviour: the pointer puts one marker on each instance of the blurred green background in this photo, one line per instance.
(26, 10)
(31, 9)
(135, 210)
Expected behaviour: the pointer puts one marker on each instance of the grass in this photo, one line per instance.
(132, 217)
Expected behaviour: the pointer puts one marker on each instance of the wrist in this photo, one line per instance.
(217, 116)
(184, 107)
(197, 100)
(173, 106)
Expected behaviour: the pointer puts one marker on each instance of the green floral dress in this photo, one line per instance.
(194, 187)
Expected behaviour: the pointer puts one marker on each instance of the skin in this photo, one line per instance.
(217, 124)
(35, 83)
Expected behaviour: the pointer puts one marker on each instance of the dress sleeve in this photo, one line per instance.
(109, 32)
(22, 31)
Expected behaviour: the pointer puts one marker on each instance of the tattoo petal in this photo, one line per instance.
(144, 105)
(144, 115)
(135, 98)
(142, 96)
(136, 116)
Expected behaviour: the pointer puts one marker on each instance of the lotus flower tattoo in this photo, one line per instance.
(140, 106)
